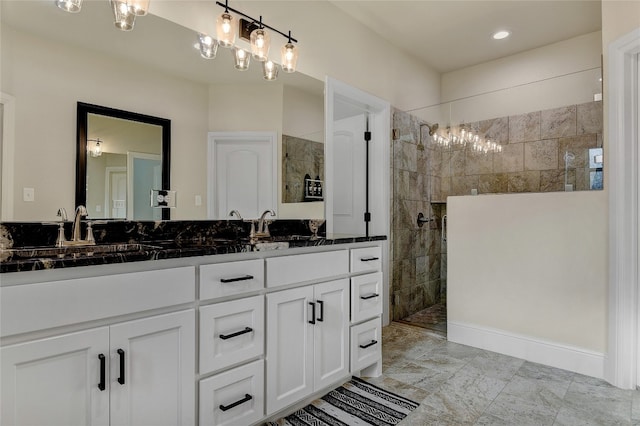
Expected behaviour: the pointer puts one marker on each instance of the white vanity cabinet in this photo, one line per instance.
(232, 334)
(132, 373)
(307, 331)
(131, 363)
(366, 311)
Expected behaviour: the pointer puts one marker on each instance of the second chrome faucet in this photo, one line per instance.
(262, 230)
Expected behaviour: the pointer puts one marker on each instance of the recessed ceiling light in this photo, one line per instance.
(499, 35)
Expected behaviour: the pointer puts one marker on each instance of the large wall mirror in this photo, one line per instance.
(51, 60)
(121, 156)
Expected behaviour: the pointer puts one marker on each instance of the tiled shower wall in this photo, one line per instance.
(418, 262)
(301, 156)
(423, 175)
(534, 147)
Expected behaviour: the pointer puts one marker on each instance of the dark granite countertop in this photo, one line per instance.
(21, 259)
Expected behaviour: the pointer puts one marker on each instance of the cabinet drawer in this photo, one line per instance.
(227, 279)
(231, 332)
(366, 344)
(31, 307)
(366, 259)
(306, 267)
(235, 397)
(366, 296)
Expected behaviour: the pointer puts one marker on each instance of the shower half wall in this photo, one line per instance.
(418, 267)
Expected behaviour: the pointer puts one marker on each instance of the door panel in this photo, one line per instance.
(289, 347)
(242, 173)
(159, 370)
(349, 151)
(55, 381)
(331, 333)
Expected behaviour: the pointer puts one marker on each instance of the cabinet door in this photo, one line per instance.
(331, 332)
(289, 347)
(153, 370)
(55, 381)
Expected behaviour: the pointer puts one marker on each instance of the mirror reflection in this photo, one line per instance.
(121, 156)
(52, 60)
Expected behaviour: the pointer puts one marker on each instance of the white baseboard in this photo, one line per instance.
(531, 349)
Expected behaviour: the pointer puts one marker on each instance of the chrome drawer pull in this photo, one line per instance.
(371, 296)
(246, 398)
(232, 280)
(368, 259)
(237, 333)
(373, 342)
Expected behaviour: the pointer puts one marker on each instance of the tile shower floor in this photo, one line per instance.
(461, 385)
(433, 318)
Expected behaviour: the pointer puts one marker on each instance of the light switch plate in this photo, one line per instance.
(28, 194)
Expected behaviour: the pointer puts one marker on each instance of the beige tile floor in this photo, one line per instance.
(461, 385)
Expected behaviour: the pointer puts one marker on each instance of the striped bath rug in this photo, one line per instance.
(354, 403)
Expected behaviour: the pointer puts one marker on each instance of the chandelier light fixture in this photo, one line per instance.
(226, 29)
(260, 43)
(465, 138)
(229, 28)
(242, 58)
(71, 6)
(270, 71)
(124, 11)
(207, 45)
(95, 148)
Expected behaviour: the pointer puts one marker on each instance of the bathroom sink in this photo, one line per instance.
(73, 251)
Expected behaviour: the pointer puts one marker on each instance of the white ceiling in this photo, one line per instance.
(449, 35)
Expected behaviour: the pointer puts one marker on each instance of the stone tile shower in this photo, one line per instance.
(543, 151)
(418, 267)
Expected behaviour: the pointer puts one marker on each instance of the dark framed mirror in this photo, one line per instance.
(120, 157)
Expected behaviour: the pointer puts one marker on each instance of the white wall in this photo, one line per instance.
(559, 74)
(256, 108)
(303, 115)
(331, 44)
(532, 265)
(37, 73)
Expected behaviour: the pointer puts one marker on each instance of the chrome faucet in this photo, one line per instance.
(235, 212)
(75, 230)
(263, 225)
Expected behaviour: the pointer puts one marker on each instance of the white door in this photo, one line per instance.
(242, 170)
(153, 371)
(331, 333)
(55, 381)
(289, 347)
(144, 173)
(349, 174)
(116, 194)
